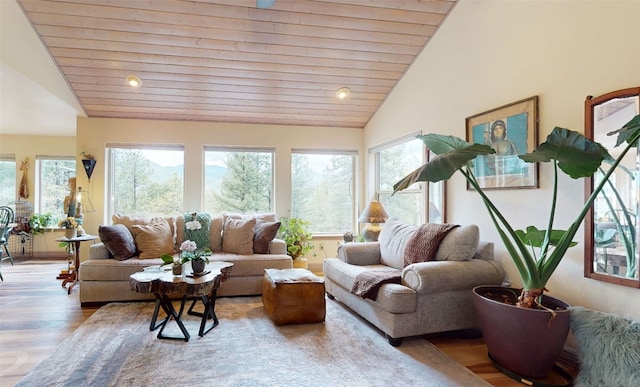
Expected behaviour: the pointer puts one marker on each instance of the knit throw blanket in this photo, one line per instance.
(424, 244)
(196, 228)
(367, 283)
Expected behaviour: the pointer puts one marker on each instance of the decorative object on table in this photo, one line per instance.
(176, 268)
(71, 201)
(23, 192)
(89, 163)
(71, 227)
(374, 214)
(296, 234)
(347, 236)
(575, 155)
(511, 130)
(189, 252)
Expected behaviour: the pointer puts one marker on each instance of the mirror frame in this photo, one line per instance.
(589, 250)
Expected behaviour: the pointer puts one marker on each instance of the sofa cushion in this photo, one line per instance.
(264, 233)
(118, 240)
(460, 244)
(215, 232)
(154, 239)
(131, 220)
(393, 241)
(237, 235)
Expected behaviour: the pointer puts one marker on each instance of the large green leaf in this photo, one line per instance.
(453, 154)
(577, 156)
(534, 237)
(629, 132)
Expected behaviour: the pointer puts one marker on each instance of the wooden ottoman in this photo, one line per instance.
(293, 296)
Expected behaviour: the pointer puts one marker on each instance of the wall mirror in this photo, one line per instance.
(612, 229)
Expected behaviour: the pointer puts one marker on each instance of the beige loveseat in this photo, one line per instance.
(428, 297)
(132, 243)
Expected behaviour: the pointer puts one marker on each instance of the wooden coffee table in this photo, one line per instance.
(164, 284)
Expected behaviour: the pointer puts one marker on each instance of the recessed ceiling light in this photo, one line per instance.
(134, 81)
(343, 93)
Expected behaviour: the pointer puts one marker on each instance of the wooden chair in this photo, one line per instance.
(6, 220)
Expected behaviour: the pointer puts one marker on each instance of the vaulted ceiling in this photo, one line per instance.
(230, 61)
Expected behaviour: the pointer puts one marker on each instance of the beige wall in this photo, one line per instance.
(94, 134)
(23, 147)
(490, 53)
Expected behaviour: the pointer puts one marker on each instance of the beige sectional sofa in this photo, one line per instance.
(104, 276)
(427, 297)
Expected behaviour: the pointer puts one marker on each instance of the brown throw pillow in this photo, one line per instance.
(237, 236)
(118, 240)
(154, 239)
(264, 232)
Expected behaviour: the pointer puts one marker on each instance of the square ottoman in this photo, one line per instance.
(293, 296)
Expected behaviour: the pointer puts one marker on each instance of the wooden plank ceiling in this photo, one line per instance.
(229, 61)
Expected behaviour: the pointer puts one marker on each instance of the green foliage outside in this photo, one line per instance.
(137, 189)
(7, 181)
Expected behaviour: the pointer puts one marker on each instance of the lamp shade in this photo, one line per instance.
(374, 212)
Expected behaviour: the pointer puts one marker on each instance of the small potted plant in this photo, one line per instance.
(38, 222)
(295, 232)
(70, 224)
(189, 252)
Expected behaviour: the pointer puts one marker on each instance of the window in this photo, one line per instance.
(393, 162)
(146, 181)
(238, 180)
(7, 179)
(323, 189)
(52, 183)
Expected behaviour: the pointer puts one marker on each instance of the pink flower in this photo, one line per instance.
(188, 246)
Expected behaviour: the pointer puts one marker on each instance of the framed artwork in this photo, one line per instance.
(511, 130)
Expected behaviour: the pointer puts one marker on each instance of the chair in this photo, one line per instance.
(6, 220)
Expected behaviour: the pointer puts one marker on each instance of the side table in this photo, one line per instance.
(72, 277)
(164, 284)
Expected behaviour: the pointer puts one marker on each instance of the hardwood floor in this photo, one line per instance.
(36, 314)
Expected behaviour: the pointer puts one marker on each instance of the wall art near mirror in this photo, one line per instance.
(511, 130)
(612, 227)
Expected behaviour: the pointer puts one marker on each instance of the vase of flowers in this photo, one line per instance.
(70, 226)
(189, 252)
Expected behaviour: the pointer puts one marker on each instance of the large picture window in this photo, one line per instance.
(322, 189)
(146, 181)
(7, 179)
(394, 161)
(238, 180)
(52, 184)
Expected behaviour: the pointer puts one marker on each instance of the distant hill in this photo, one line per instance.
(213, 174)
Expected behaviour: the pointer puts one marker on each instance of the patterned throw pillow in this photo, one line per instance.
(118, 240)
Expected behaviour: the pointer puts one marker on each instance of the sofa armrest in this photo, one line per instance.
(360, 253)
(442, 276)
(98, 251)
(278, 246)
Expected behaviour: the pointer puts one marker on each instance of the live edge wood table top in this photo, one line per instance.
(163, 284)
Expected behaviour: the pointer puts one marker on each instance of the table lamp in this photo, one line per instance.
(374, 213)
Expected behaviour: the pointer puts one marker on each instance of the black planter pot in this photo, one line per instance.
(523, 341)
(198, 266)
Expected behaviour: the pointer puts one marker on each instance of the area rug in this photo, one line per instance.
(114, 347)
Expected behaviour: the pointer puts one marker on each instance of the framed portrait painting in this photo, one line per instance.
(511, 130)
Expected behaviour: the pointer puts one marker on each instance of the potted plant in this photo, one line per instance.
(535, 252)
(38, 222)
(70, 224)
(189, 252)
(295, 232)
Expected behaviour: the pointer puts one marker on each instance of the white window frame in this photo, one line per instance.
(40, 188)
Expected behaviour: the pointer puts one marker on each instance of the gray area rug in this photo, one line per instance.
(114, 347)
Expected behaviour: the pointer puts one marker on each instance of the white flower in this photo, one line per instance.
(193, 225)
(188, 246)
